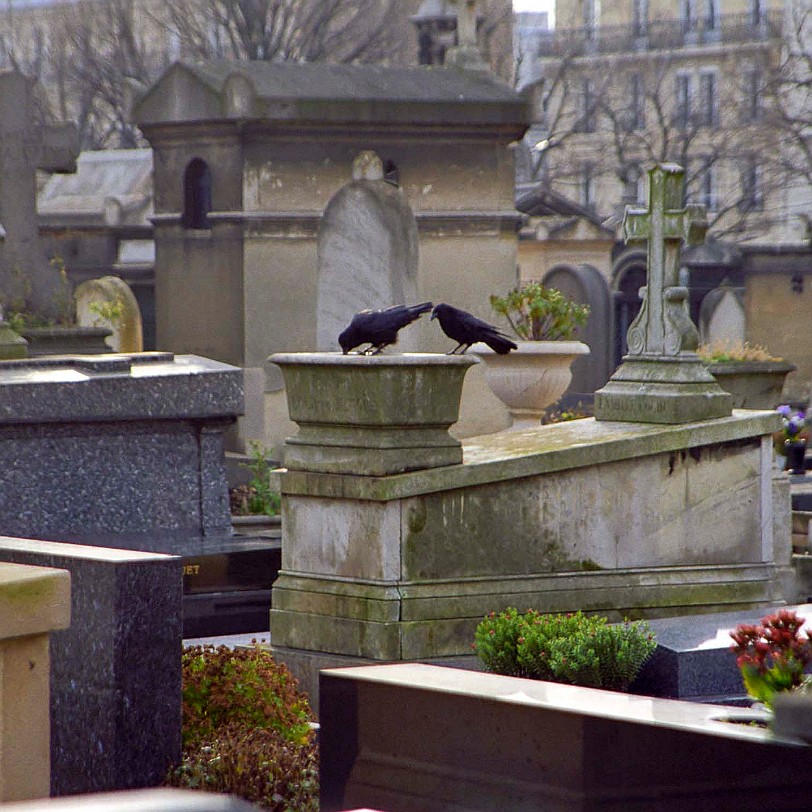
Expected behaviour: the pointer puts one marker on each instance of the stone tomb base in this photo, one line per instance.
(413, 737)
(624, 519)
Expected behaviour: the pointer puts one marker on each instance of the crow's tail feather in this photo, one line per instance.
(500, 344)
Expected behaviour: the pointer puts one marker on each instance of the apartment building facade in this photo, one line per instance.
(629, 83)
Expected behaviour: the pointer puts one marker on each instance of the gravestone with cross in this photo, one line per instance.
(662, 380)
(28, 143)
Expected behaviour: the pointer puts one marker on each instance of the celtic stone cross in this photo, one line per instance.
(662, 379)
(663, 326)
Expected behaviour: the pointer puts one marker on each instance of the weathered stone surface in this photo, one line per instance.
(367, 257)
(661, 380)
(625, 519)
(372, 415)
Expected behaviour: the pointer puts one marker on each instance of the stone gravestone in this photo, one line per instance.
(367, 252)
(28, 144)
(722, 318)
(110, 302)
(662, 380)
(587, 285)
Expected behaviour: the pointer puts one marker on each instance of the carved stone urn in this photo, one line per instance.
(531, 378)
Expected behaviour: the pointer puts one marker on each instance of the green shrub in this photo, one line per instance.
(246, 729)
(571, 648)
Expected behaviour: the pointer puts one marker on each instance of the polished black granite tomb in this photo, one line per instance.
(693, 660)
(227, 577)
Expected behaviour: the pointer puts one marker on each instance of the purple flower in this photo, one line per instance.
(784, 411)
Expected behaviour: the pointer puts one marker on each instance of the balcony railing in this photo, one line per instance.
(662, 34)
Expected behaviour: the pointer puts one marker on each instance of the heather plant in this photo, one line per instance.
(246, 729)
(773, 656)
(246, 687)
(570, 648)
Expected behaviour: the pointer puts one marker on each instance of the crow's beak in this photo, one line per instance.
(433, 315)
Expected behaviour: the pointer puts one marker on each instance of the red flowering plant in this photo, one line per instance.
(773, 656)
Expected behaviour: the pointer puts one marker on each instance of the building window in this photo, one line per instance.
(752, 198)
(588, 186)
(633, 185)
(196, 195)
(752, 95)
(682, 107)
(688, 11)
(586, 120)
(640, 18)
(707, 92)
(591, 18)
(706, 186)
(711, 15)
(637, 102)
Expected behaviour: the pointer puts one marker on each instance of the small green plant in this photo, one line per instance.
(111, 312)
(246, 729)
(773, 656)
(539, 313)
(723, 351)
(19, 312)
(257, 497)
(570, 648)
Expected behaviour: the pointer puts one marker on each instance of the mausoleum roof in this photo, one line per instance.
(295, 92)
(110, 187)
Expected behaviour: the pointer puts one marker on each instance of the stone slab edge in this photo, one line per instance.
(33, 600)
(532, 452)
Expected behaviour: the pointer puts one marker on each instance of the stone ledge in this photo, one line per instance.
(530, 452)
(33, 600)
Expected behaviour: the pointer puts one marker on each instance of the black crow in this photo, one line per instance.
(378, 328)
(467, 329)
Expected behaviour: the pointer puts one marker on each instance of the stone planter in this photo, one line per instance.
(753, 384)
(372, 415)
(531, 378)
(66, 340)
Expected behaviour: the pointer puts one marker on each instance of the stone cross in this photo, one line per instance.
(663, 326)
(26, 145)
(466, 22)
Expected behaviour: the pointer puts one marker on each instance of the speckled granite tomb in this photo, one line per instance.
(115, 671)
(98, 446)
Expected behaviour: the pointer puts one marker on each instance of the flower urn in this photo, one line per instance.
(531, 378)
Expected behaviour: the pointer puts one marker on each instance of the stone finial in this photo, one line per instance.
(367, 165)
(662, 380)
